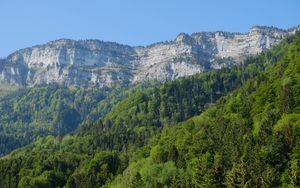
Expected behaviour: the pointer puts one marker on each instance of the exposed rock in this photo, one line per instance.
(94, 62)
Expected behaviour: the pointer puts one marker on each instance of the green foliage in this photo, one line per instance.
(144, 113)
(156, 137)
(40, 111)
(29, 113)
(250, 138)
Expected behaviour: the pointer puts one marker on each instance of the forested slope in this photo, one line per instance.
(248, 138)
(29, 113)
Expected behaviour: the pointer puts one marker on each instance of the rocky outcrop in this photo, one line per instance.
(94, 62)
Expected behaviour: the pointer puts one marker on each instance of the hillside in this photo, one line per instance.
(29, 113)
(249, 137)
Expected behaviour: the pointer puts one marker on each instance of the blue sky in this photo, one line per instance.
(135, 22)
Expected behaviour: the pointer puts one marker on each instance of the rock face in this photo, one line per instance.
(98, 63)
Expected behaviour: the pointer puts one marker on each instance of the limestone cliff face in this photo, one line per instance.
(93, 62)
(69, 62)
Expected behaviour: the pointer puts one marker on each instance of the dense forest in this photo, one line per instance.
(233, 127)
(29, 113)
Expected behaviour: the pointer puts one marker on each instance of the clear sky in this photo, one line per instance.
(135, 22)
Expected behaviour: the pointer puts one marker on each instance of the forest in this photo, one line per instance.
(232, 127)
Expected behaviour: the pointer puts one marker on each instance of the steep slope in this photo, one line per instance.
(93, 62)
(249, 138)
(47, 110)
(204, 150)
(69, 62)
(30, 113)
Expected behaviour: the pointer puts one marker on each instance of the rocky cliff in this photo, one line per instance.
(98, 63)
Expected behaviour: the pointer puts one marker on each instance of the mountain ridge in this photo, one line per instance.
(174, 135)
(100, 63)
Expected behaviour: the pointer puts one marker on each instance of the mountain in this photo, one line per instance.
(98, 63)
(247, 134)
